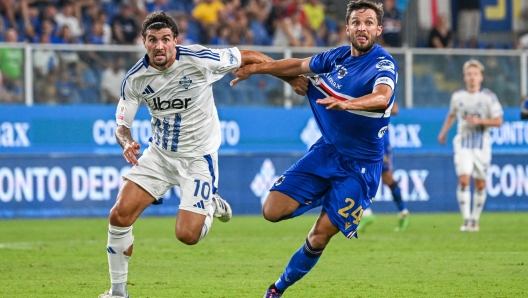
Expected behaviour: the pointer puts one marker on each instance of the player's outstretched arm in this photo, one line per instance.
(291, 67)
(497, 121)
(249, 57)
(130, 147)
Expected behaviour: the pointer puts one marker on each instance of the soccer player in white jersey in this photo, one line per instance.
(176, 83)
(476, 109)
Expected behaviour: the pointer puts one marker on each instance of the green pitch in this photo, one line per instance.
(67, 258)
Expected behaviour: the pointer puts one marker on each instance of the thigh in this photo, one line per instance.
(464, 162)
(132, 199)
(198, 177)
(307, 181)
(153, 173)
(349, 197)
(482, 161)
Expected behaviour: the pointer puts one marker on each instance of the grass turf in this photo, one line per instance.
(67, 258)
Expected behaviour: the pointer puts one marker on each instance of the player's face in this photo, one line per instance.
(363, 29)
(160, 45)
(473, 77)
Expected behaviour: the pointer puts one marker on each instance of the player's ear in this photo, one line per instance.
(347, 29)
(380, 29)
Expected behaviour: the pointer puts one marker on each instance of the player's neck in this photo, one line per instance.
(472, 89)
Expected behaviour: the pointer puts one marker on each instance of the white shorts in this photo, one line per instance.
(158, 171)
(474, 162)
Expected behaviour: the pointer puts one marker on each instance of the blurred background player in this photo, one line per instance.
(476, 109)
(386, 176)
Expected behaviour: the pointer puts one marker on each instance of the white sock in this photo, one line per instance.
(479, 198)
(119, 240)
(367, 212)
(464, 200)
(208, 221)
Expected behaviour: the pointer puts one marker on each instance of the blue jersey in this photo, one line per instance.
(355, 134)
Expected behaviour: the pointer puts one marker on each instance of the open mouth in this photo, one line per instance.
(362, 38)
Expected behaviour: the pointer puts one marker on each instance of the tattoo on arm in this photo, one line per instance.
(123, 135)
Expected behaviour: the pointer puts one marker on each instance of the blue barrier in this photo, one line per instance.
(80, 186)
(90, 130)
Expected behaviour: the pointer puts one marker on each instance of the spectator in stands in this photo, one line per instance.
(258, 12)
(45, 61)
(157, 5)
(468, 20)
(291, 32)
(206, 13)
(185, 37)
(522, 40)
(441, 36)
(222, 37)
(315, 14)
(65, 87)
(240, 33)
(11, 61)
(68, 17)
(124, 26)
(111, 80)
(7, 9)
(391, 36)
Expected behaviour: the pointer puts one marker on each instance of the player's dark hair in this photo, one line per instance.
(158, 20)
(364, 5)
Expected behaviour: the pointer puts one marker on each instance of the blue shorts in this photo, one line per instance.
(342, 186)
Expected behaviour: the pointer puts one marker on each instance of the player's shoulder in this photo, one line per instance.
(137, 70)
(197, 53)
(488, 92)
(459, 93)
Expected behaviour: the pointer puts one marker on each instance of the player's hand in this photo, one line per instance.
(299, 84)
(473, 120)
(333, 103)
(130, 152)
(442, 139)
(242, 74)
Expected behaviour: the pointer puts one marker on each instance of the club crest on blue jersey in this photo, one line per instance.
(185, 82)
(279, 181)
(342, 72)
(385, 65)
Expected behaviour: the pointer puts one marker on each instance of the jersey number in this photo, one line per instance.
(206, 189)
(356, 214)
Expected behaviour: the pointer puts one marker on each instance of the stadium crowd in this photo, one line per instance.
(91, 76)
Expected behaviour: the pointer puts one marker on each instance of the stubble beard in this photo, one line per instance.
(361, 48)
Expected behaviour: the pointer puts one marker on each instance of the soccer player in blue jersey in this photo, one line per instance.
(386, 176)
(351, 97)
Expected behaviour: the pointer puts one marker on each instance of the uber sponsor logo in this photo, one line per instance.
(161, 105)
(412, 185)
(14, 134)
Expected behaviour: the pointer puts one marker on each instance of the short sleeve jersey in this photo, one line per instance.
(179, 99)
(481, 104)
(355, 134)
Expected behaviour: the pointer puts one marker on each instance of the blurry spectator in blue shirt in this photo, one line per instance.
(65, 87)
(124, 26)
(391, 36)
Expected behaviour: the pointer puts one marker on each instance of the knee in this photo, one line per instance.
(119, 219)
(270, 215)
(318, 240)
(463, 183)
(187, 238)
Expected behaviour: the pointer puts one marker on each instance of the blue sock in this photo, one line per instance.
(302, 261)
(396, 195)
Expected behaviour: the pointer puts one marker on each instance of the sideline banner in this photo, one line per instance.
(60, 130)
(73, 186)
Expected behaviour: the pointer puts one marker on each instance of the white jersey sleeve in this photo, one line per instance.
(495, 108)
(130, 100)
(219, 62)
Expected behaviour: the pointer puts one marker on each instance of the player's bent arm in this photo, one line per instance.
(448, 122)
(130, 147)
(497, 121)
(378, 99)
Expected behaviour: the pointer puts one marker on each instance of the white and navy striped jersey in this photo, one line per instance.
(483, 104)
(179, 99)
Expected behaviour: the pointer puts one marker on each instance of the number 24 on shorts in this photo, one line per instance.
(356, 214)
